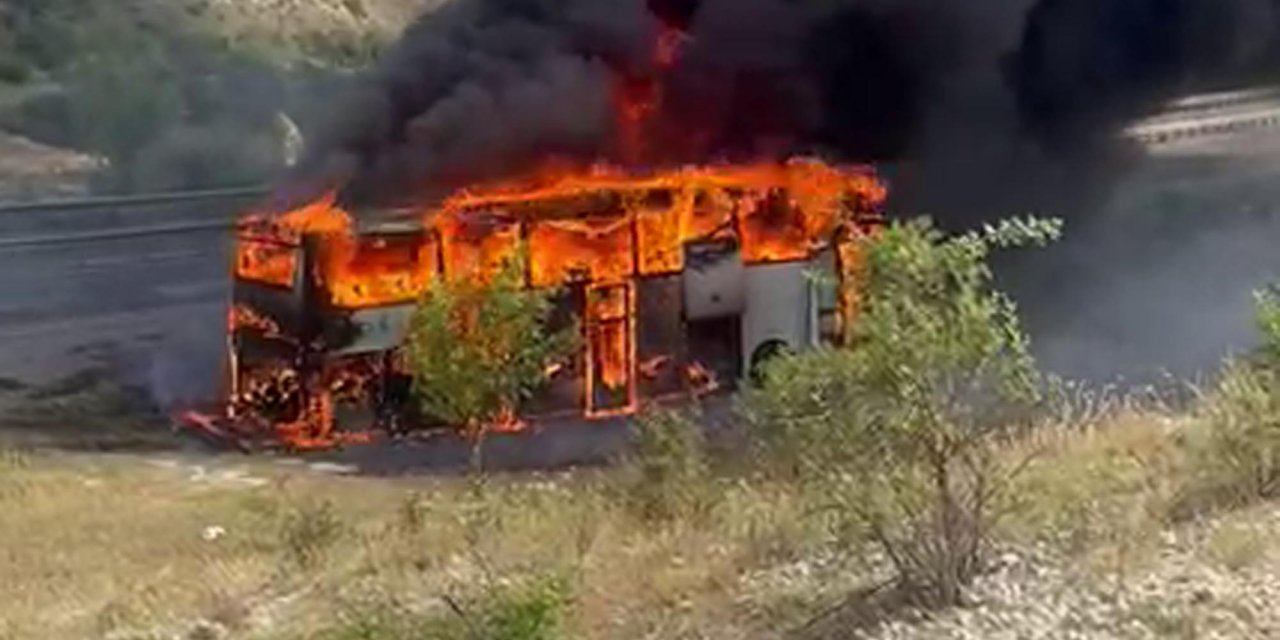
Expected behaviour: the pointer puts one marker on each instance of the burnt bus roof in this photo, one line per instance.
(388, 221)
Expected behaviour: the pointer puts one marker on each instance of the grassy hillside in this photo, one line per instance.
(194, 93)
(168, 546)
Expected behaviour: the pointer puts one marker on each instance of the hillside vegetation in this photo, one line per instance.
(926, 483)
(191, 93)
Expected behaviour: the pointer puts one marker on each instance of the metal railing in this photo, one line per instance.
(81, 220)
(149, 199)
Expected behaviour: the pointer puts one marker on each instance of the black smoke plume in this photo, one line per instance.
(1085, 65)
(484, 88)
(944, 88)
(974, 109)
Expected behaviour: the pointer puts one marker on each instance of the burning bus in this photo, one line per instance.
(682, 281)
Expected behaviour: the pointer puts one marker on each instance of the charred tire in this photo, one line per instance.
(765, 353)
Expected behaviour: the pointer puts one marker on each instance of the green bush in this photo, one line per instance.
(1267, 318)
(1234, 455)
(479, 349)
(14, 71)
(190, 157)
(309, 531)
(667, 476)
(107, 119)
(899, 427)
(529, 610)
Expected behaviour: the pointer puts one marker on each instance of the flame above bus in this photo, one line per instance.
(600, 225)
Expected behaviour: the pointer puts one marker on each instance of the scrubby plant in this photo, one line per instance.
(309, 531)
(532, 609)
(667, 475)
(899, 426)
(478, 348)
(1233, 457)
(1267, 318)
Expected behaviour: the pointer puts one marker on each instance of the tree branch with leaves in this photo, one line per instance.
(478, 348)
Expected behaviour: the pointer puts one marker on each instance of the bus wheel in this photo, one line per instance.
(766, 352)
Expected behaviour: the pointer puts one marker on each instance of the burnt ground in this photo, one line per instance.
(1163, 280)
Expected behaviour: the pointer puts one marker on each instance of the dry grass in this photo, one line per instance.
(126, 546)
(1240, 543)
(123, 547)
(85, 411)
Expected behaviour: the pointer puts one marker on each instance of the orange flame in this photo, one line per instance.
(598, 225)
(639, 97)
(506, 422)
(702, 380)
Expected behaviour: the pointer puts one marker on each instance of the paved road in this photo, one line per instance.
(143, 302)
(78, 279)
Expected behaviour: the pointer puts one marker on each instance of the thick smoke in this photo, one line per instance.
(1085, 65)
(484, 88)
(952, 90)
(1155, 273)
(974, 110)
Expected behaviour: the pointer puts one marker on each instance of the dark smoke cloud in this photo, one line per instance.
(483, 88)
(480, 88)
(1159, 260)
(1085, 65)
(973, 109)
(953, 93)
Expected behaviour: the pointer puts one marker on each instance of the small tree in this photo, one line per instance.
(477, 349)
(899, 425)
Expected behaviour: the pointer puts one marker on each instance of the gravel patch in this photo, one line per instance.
(1182, 592)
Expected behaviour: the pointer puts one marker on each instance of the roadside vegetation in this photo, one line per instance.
(479, 349)
(924, 475)
(186, 94)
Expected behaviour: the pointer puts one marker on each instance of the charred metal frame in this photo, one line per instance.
(297, 361)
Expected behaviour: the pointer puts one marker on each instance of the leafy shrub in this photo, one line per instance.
(668, 476)
(14, 71)
(899, 427)
(478, 349)
(1267, 318)
(1234, 456)
(531, 610)
(187, 157)
(107, 120)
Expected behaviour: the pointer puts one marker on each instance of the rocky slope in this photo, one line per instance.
(1216, 579)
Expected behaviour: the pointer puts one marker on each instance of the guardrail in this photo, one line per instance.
(150, 199)
(80, 220)
(1226, 114)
